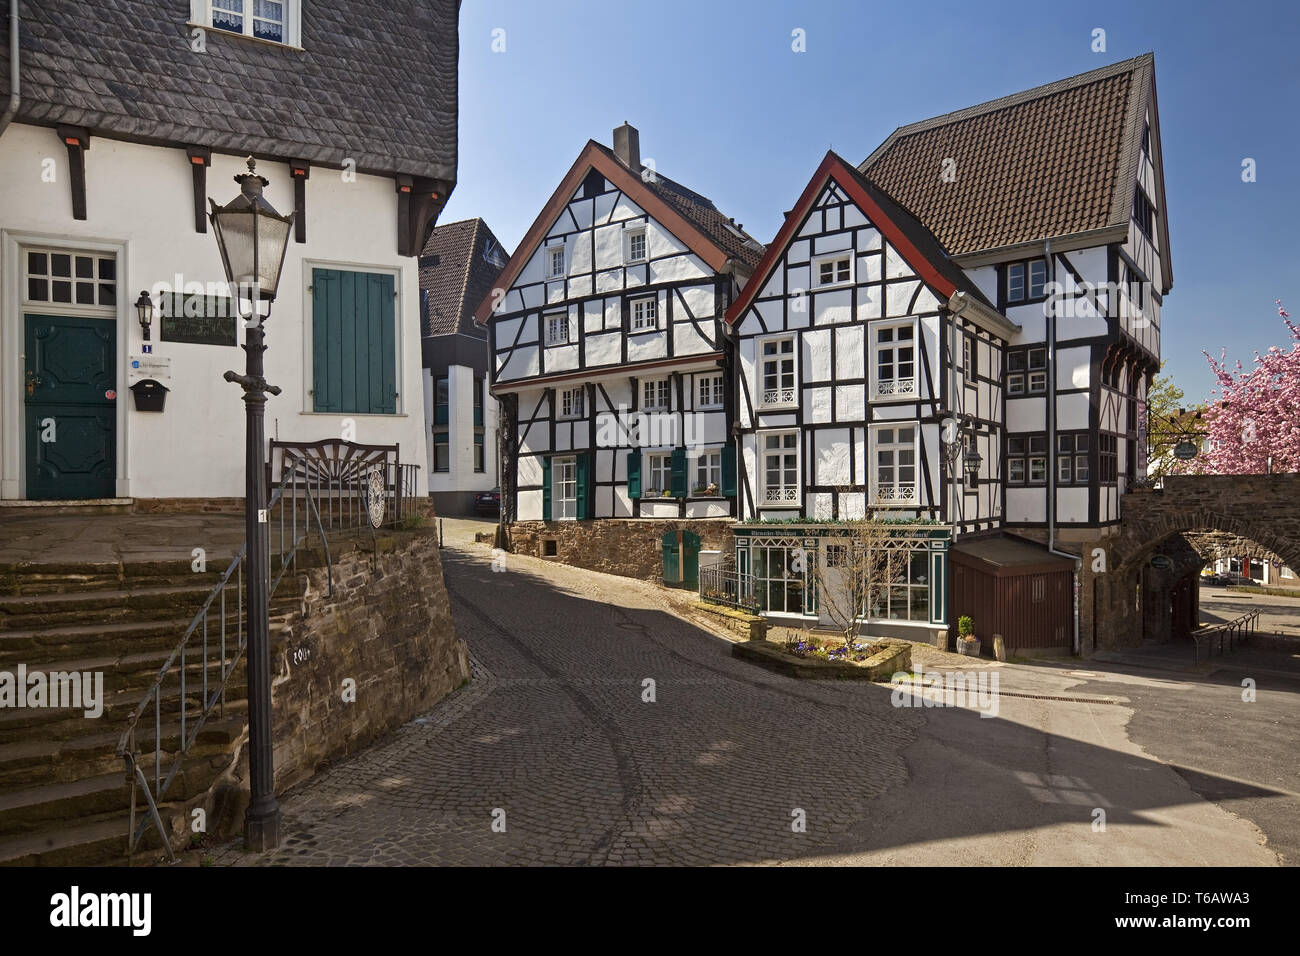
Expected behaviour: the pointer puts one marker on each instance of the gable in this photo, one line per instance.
(691, 221)
(908, 250)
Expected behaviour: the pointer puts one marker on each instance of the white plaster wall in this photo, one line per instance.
(140, 201)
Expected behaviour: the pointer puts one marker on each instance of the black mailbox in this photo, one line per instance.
(150, 396)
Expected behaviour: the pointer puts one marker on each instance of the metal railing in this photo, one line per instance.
(1238, 629)
(353, 484)
(191, 685)
(723, 584)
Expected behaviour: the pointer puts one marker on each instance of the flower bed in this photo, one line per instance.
(876, 660)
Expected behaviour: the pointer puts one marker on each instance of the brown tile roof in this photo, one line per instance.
(459, 263)
(704, 216)
(1053, 161)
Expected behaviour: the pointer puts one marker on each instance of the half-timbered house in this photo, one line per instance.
(608, 348)
(957, 336)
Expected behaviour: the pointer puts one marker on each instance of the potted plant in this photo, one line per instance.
(712, 490)
(668, 493)
(967, 642)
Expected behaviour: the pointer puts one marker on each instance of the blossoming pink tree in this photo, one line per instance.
(1256, 413)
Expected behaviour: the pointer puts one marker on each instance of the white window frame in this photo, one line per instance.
(553, 321)
(201, 16)
(656, 395)
(551, 249)
(643, 313)
(710, 391)
(629, 236)
(572, 402)
(968, 357)
(901, 387)
(563, 507)
(900, 492)
(658, 475)
(779, 397)
(706, 469)
(96, 257)
(819, 261)
(784, 494)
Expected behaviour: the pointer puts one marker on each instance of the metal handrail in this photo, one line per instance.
(723, 584)
(216, 699)
(1239, 627)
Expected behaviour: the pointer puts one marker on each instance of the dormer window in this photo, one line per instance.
(275, 21)
(636, 246)
(833, 270)
(1026, 281)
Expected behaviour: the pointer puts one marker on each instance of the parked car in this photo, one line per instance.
(488, 502)
(1236, 577)
(1214, 580)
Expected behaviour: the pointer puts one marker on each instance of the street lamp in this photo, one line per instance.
(253, 238)
(144, 311)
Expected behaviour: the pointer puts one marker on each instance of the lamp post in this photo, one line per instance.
(253, 239)
(144, 312)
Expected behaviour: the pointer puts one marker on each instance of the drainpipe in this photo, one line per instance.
(15, 82)
(1050, 317)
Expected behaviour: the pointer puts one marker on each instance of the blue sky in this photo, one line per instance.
(728, 109)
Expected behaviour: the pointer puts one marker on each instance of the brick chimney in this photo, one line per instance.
(627, 146)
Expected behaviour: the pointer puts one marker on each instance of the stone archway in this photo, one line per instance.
(1262, 508)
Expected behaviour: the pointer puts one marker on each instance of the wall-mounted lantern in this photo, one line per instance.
(144, 310)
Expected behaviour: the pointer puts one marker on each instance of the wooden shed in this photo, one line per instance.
(1016, 588)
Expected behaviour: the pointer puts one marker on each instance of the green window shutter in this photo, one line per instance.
(678, 467)
(546, 489)
(728, 488)
(584, 486)
(326, 340)
(634, 474)
(354, 342)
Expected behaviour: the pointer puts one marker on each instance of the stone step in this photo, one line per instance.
(30, 612)
(61, 724)
(27, 763)
(40, 647)
(49, 806)
(100, 840)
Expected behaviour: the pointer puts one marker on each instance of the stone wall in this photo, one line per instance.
(626, 546)
(1261, 508)
(387, 628)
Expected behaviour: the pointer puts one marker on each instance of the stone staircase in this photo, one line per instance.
(64, 795)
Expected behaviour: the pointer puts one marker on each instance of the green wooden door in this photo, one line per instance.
(70, 406)
(691, 560)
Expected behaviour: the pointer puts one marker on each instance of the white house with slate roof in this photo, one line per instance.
(123, 130)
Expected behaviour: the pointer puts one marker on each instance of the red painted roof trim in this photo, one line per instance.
(593, 157)
(835, 168)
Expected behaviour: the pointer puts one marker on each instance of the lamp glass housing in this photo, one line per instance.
(253, 238)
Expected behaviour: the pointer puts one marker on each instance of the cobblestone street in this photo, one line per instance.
(554, 740)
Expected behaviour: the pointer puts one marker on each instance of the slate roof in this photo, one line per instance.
(703, 215)
(1052, 161)
(375, 81)
(460, 262)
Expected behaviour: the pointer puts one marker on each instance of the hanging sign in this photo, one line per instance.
(198, 319)
(1185, 450)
